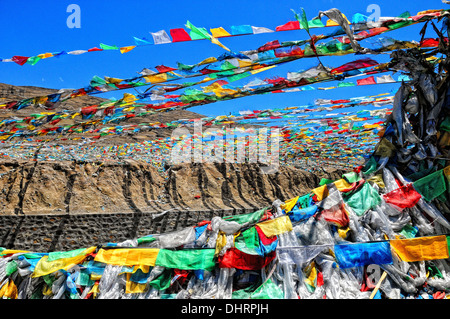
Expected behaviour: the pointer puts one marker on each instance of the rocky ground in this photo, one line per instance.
(28, 187)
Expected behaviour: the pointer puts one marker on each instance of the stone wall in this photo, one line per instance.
(45, 233)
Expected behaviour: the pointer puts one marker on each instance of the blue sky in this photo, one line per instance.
(29, 28)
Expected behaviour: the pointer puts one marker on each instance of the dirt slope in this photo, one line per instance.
(78, 188)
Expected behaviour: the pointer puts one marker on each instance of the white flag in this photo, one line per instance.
(77, 52)
(385, 79)
(257, 30)
(160, 37)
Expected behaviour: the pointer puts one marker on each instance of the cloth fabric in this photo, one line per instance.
(336, 215)
(276, 226)
(234, 258)
(128, 256)
(291, 25)
(246, 218)
(241, 29)
(363, 199)
(421, 248)
(219, 32)
(366, 81)
(300, 255)
(431, 186)
(299, 215)
(289, 204)
(45, 267)
(160, 37)
(360, 254)
(188, 259)
(320, 192)
(178, 238)
(268, 290)
(403, 197)
(179, 35)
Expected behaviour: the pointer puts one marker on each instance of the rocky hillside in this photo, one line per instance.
(87, 188)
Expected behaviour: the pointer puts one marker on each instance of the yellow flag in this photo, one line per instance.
(289, 204)
(219, 32)
(12, 251)
(128, 109)
(45, 55)
(377, 179)
(220, 92)
(321, 192)
(210, 88)
(132, 287)
(343, 232)
(112, 80)
(262, 69)
(243, 64)
(127, 49)
(208, 60)
(128, 257)
(47, 291)
(215, 41)
(156, 78)
(421, 248)
(311, 274)
(128, 98)
(221, 242)
(276, 226)
(94, 290)
(342, 184)
(45, 267)
(9, 290)
(331, 23)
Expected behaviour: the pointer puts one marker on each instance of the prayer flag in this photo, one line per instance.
(421, 248)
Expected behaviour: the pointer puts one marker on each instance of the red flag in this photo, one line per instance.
(404, 197)
(289, 51)
(269, 46)
(234, 258)
(21, 60)
(358, 64)
(429, 43)
(164, 69)
(263, 238)
(366, 81)
(336, 215)
(291, 25)
(179, 35)
(89, 109)
(95, 49)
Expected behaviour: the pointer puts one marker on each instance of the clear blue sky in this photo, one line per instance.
(29, 28)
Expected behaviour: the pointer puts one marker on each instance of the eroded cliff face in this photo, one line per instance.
(85, 188)
(55, 206)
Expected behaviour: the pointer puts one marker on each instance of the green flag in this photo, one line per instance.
(97, 81)
(65, 254)
(33, 60)
(108, 47)
(302, 19)
(189, 259)
(244, 218)
(197, 33)
(201, 33)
